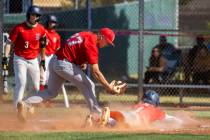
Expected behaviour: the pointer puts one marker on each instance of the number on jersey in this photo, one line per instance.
(26, 44)
(75, 39)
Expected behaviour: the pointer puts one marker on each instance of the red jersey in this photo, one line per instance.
(53, 42)
(141, 113)
(150, 112)
(26, 40)
(79, 49)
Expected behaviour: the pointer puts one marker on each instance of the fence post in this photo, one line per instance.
(141, 49)
(89, 22)
(1, 46)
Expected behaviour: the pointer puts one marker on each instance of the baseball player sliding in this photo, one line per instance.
(79, 50)
(28, 40)
(142, 114)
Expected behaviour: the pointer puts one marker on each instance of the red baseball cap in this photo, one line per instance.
(108, 34)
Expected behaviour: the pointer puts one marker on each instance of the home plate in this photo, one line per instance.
(34, 99)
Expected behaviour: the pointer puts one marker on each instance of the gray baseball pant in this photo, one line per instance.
(63, 70)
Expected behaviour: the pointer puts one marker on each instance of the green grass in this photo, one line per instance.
(97, 136)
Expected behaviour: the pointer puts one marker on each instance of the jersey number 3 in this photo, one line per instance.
(26, 44)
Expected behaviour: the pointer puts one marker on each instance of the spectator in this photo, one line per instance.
(166, 49)
(201, 66)
(156, 66)
(193, 52)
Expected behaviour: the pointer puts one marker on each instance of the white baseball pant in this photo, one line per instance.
(44, 75)
(22, 67)
(61, 71)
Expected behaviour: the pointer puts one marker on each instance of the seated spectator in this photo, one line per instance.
(201, 67)
(166, 49)
(156, 66)
(193, 52)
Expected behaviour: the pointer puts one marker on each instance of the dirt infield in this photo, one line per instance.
(60, 119)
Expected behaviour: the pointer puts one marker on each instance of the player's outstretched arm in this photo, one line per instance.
(115, 87)
(100, 77)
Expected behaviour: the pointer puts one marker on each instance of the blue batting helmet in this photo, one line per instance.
(33, 10)
(52, 18)
(151, 97)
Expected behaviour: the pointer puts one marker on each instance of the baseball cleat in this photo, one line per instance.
(105, 116)
(21, 114)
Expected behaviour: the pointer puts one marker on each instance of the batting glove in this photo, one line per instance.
(5, 63)
(42, 64)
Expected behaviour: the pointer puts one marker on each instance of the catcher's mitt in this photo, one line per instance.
(118, 87)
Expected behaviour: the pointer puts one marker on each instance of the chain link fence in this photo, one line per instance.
(186, 70)
(184, 78)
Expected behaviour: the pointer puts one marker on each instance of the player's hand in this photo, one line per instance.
(5, 63)
(42, 64)
(117, 87)
(83, 66)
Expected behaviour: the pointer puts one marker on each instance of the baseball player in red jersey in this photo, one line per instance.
(142, 114)
(79, 49)
(28, 40)
(52, 45)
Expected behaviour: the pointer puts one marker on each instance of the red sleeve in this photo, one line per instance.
(91, 52)
(14, 34)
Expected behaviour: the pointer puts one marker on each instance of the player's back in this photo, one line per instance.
(149, 112)
(78, 47)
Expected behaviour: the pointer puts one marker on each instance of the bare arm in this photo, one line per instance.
(100, 77)
(162, 66)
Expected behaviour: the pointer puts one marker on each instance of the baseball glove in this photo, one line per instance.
(118, 87)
